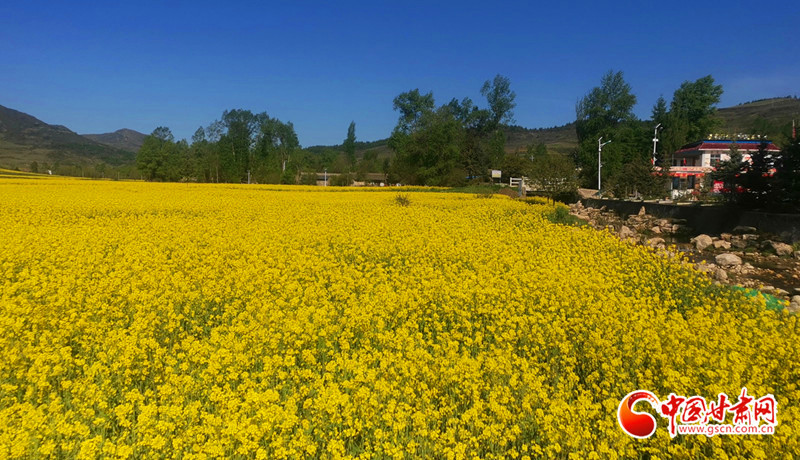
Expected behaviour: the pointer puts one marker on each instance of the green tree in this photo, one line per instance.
(276, 145)
(787, 176)
(153, 158)
(694, 103)
(349, 144)
(501, 100)
(430, 154)
(660, 111)
(554, 175)
(607, 111)
(757, 179)
(637, 179)
(730, 173)
(517, 164)
(444, 146)
(235, 145)
(412, 107)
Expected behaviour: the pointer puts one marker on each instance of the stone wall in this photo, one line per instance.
(712, 220)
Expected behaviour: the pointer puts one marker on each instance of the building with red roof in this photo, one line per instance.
(693, 161)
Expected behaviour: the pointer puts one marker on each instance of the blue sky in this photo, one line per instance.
(99, 67)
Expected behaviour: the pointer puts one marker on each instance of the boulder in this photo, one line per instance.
(655, 242)
(722, 244)
(728, 260)
(702, 241)
(626, 232)
(725, 236)
(742, 229)
(720, 274)
(656, 230)
(794, 305)
(738, 243)
(797, 254)
(642, 211)
(782, 249)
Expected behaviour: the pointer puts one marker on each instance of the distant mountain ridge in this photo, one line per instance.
(124, 139)
(772, 115)
(25, 139)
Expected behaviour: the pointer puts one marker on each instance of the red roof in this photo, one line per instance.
(747, 146)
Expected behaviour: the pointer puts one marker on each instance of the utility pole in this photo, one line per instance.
(600, 145)
(655, 140)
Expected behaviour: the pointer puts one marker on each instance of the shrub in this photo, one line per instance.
(402, 199)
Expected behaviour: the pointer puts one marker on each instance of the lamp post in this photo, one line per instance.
(655, 141)
(600, 145)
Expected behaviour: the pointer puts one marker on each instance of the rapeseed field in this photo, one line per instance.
(142, 320)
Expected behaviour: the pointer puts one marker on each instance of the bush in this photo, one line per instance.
(561, 215)
(308, 178)
(402, 199)
(342, 180)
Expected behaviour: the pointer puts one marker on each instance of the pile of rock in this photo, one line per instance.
(744, 238)
(639, 228)
(720, 256)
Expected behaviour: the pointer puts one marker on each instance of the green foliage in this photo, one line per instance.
(607, 112)
(402, 199)
(501, 99)
(729, 172)
(787, 178)
(560, 215)
(308, 178)
(555, 175)
(449, 145)
(694, 103)
(515, 165)
(659, 114)
(759, 191)
(637, 179)
(157, 158)
(341, 180)
(349, 144)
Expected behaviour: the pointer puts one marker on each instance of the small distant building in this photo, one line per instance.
(693, 161)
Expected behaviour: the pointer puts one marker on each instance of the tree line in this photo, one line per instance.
(769, 181)
(453, 144)
(243, 147)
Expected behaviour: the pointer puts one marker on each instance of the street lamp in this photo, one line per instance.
(655, 140)
(600, 145)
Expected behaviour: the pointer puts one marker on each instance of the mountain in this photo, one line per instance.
(766, 116)
(25, 139)
(123, 139)
(558, 139)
